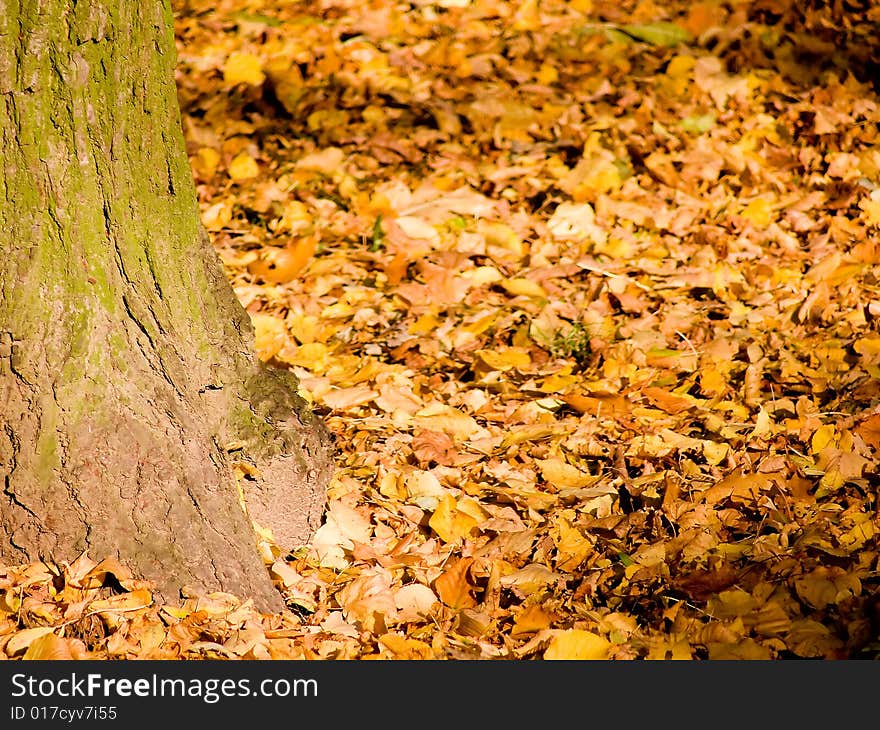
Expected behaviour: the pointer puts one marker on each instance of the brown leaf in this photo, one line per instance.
(869, 430)
(700, 584)
(436, 446)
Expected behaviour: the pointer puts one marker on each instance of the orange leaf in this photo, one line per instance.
(605, 405)
(533, 619)
(703, 16)
(869, 430)
(396, 268)
(666, 401)
(453, 587)
(279, 265)
(49, 646)
(738, 487)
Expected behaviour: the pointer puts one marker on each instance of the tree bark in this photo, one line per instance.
(126, 363)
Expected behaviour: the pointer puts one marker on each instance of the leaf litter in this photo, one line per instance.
(588, 294)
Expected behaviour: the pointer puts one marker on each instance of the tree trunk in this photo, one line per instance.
(126, 364)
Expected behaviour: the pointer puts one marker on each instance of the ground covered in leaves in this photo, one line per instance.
(587, 291)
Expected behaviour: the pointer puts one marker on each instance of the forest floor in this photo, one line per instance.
(588, 293)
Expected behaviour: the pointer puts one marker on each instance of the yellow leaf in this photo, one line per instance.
(522, 434)
(827, 586)
(123, 602)
(547, 74)
(680, 67)
(368, 600)
(501, 235)
(217, 216)
(24, 638)
(746, 649)
(351, 523)
(471, 507)
(759, 212)
(527, 16)
(659, 33)
(560, 382)
(480, 325)
(563, 475)
(295, 218)
(529, 579)
(440, 417)
(270, 335)
(856, 538)
(49, 647)
(591, 176)
(205, 162)
(283, 572)
(10, 602)
(572, 547)
(304, 327)
(287, 82)
(450, 523)
(712, 383)
(738, 487)
(715, 453)
(871, 208)
(428, 322)
(670, 649)
(97, 576)
(243, 167)
(482, 275)
(424, 488)
(505, 359)
(577, 644)
(763, 425)
(823, 436)
(404, 648)
(314, 356)
(667, 401)
(524, 288)
(243, 68)
(809, 638)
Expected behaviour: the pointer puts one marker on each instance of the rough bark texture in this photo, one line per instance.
(126, 366)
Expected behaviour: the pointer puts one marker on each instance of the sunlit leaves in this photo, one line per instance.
(243, 167)
(243, 68)
(577, 644)
(591, 308)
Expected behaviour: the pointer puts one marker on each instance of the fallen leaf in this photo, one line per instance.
(576, 644)
(243, 68)
(453, 587)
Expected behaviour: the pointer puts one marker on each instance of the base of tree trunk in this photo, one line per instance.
(157, 492)
(127, 369)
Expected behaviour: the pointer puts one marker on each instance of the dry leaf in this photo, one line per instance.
(453, 587)
(577, 644)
